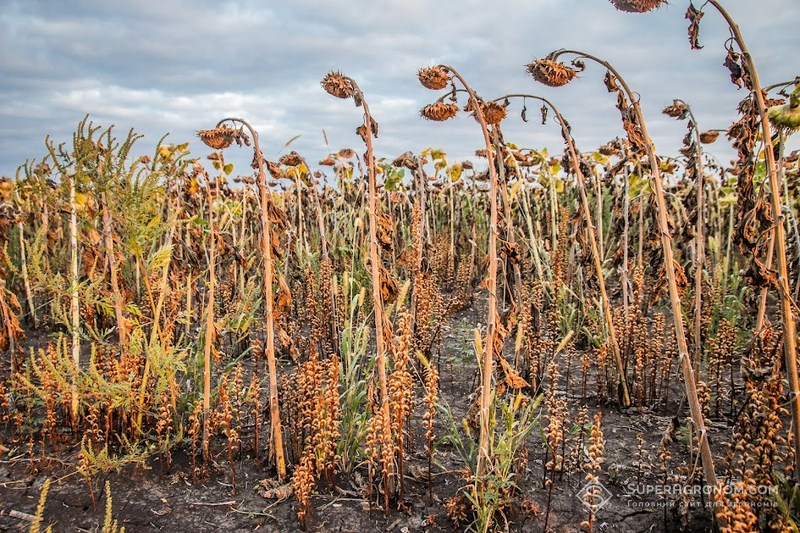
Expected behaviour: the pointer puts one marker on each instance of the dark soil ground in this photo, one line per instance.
(161, 498)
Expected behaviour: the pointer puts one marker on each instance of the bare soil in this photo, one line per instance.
(163, 498)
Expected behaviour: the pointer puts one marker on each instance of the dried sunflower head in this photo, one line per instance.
(337, 85)
(439, 111)
(274, 170)
(218, 138)
(406, 160)
(708, 137)
(550, 72)
(677, 110)
(434, 78)
(637, 6)
(609, 149)
(493, 112)
(292, 159)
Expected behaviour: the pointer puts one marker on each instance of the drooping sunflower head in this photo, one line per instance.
(637, 6)
(434, 78)
(493, 112)
(677, 110)
(708, 137)
(292, 159)
(439, 111)
(337, 85)
(550, 72)
(218, 138)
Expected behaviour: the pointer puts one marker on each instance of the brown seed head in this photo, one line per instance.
(433, 78)
(218, 138)
(637, 6)
(677, 110)
(274, 170)
(292, 159)
(550, 72)
(337, 85)
(406, 160)
(493, 112)
(609, 149)
(708, 137)
(439, 111)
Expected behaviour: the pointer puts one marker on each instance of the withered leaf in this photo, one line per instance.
(611, 82)
(732, 64)
(388, 287)
(277, 216)
(384, 231)
(511, 376)
(693, 15)
(761, 275)
(284, 295)
(274, 491)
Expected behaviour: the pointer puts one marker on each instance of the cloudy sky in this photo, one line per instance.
(176, 66)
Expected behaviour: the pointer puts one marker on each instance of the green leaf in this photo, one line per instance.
(160, 258)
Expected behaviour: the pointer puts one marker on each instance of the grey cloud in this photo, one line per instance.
(177, 66)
